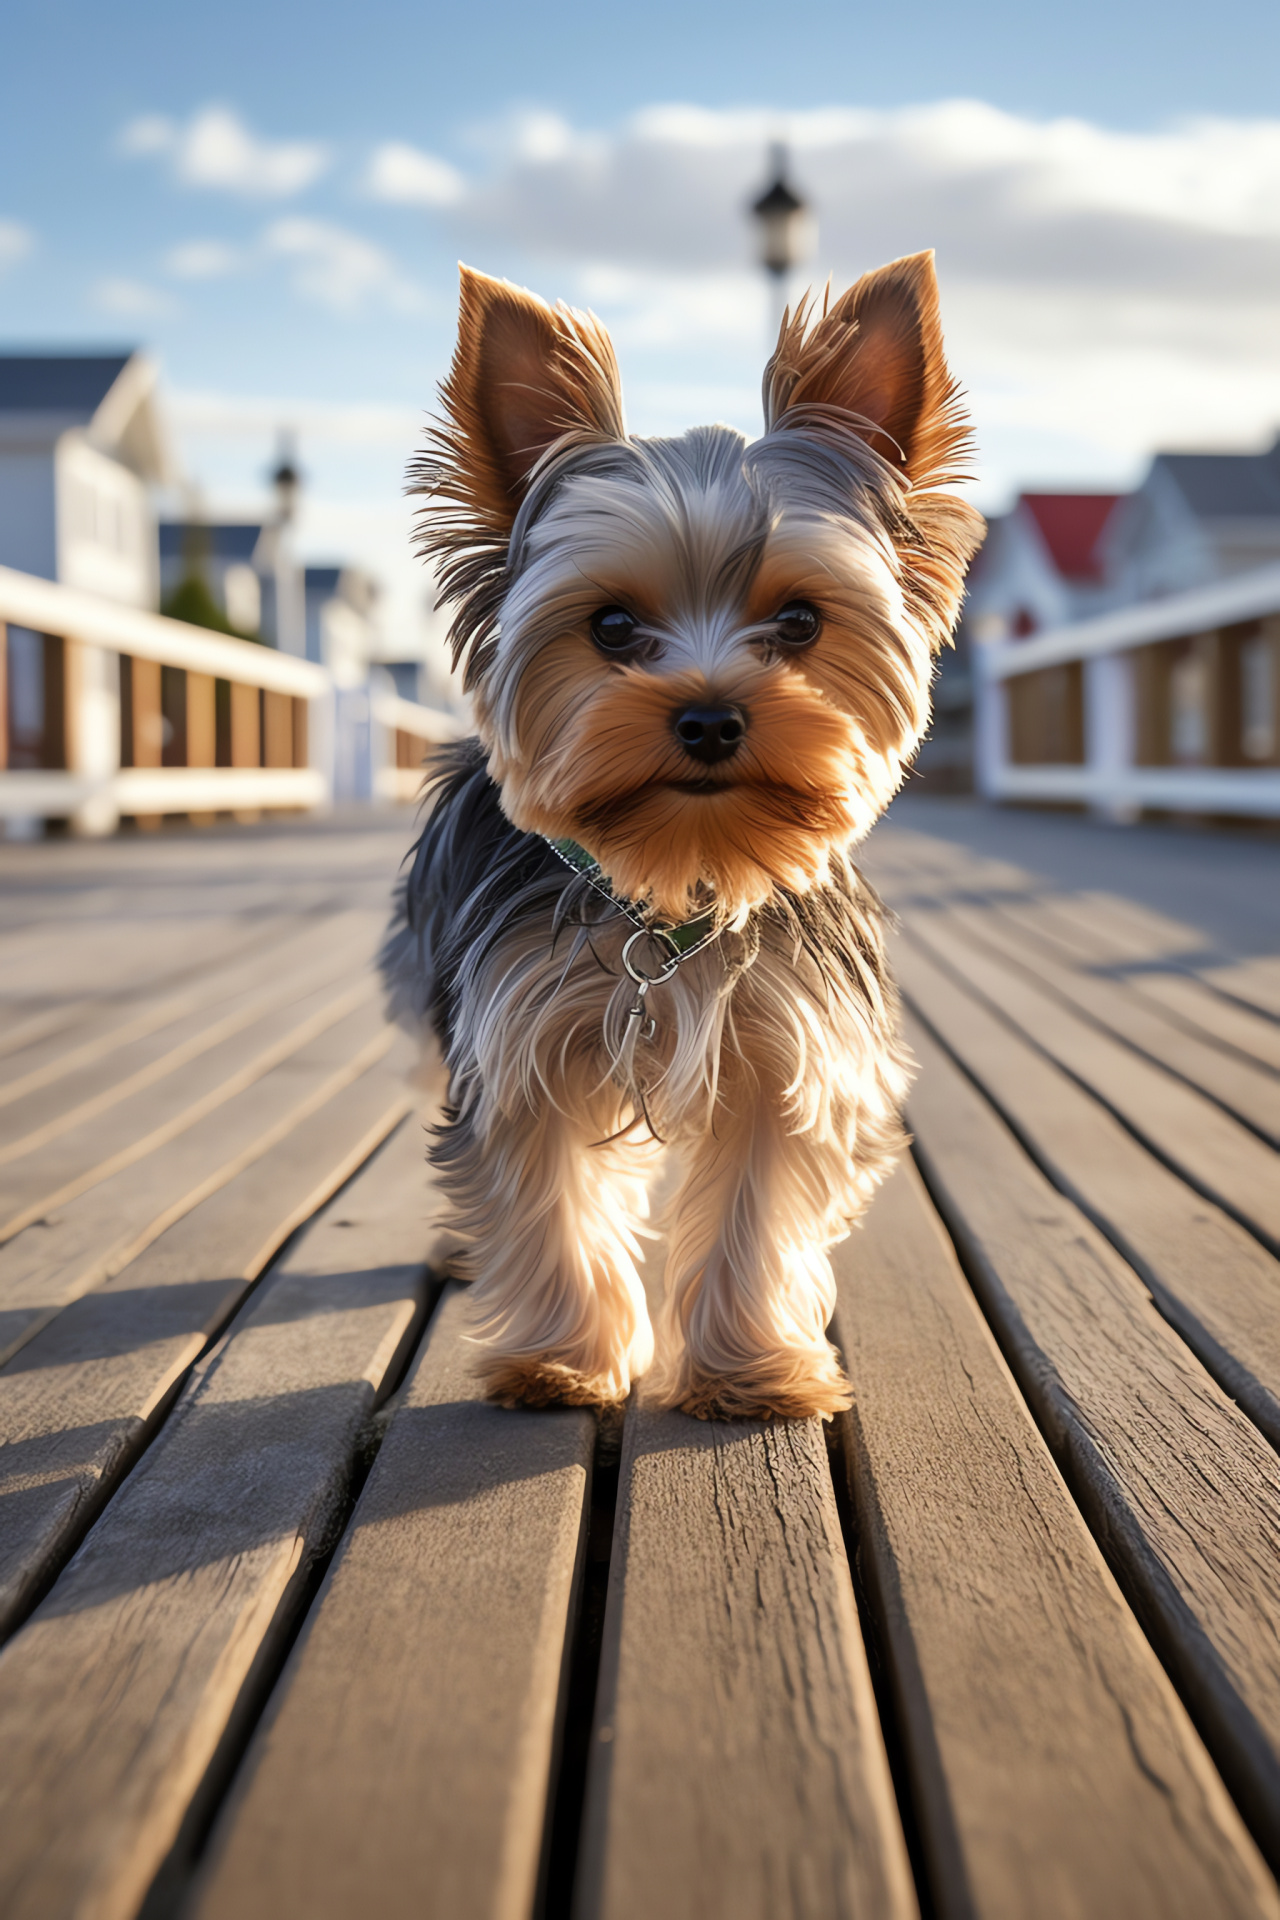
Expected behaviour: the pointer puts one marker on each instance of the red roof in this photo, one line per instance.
(1070, 525)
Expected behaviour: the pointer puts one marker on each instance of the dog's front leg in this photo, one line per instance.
(749, 1289)
(547, 1209)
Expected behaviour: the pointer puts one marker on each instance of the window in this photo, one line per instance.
(1188, 711)
(1258, 698)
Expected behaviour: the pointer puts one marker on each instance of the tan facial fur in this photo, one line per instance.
(771, 1060)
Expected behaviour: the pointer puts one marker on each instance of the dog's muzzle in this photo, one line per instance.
(710, 734)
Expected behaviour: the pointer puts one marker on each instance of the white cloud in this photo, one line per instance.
(254, 417)
(1111, 289)
(15, 243)
(131, 299)
(339, 268)
(404, 175)
(215, 149)
(150, 133)
(1057, 202)
(203, 260)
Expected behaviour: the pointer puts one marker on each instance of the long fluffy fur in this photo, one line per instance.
(773, 1065)
(774, 1070)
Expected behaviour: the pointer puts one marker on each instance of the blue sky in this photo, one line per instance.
(273, 199)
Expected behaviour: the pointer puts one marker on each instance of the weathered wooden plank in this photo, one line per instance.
(1054, 1771)
(85, 1395)
(22, 1027)
(44, 1113)
(737, 1767)
(127, 951)
(1209, 1276)
(121, 1690)
(1181, 1491)
(73, 1162)
(1083, 930)
(106, 1040)
(1222, 1159)
(406, 1762)
(1255, 981)
(117, 1004)
(1162, 959)
(1246, 1088)
(85, 1242)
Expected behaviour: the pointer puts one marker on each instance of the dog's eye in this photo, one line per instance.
(613, 629)
(798, 624)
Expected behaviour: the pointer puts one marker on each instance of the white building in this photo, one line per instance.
(1171, 705)
(81, 444)
(1041, 565)
(1196, 518)
(250, 570)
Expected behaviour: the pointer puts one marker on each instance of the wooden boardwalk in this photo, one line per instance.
(295, 1625)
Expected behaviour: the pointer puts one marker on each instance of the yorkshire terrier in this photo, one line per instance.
(699, 667)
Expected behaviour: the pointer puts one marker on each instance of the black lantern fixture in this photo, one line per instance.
(783, 220)
(286, 479)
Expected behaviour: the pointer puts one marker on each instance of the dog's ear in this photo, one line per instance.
(524, 374)
(877, 354)
(875, 365)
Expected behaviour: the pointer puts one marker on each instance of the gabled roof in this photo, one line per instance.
(109, 395)
(231, 542)
(70, 383)
(1227, 486)
(1070, 524)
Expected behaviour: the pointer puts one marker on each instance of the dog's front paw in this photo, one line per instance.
(788, 1386)
(535, 1380)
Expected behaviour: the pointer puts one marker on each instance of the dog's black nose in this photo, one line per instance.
(710, 733)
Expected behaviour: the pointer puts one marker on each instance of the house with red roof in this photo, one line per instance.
(1057, 559)
(1043, 564)
(1196, 518)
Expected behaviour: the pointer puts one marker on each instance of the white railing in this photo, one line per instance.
(407, 730)
(1170, 706)
(134, 715)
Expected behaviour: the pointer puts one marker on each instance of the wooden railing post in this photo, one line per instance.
(91, 731)
(277, 729)
(301, 731)
(1110, 731)
(148, 725)
(246, 737)
(990, 725)
(202, 730)
(123, 709)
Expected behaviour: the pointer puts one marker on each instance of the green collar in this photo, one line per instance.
(684, 939)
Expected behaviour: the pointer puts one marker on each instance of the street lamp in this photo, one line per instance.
(286, 616)
(285, 479)
(786, 229)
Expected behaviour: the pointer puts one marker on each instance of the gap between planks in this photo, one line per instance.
(1054, 1771)
(124, 1695)
(1179, 1488)
(93, 1384)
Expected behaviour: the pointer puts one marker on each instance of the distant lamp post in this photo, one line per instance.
(286, 479)
(284, 614)
(785, 226)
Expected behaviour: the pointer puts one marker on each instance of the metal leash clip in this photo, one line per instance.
(643, 981)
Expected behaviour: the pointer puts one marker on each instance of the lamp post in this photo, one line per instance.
(289, 612)
(285, 479)
(785, 226)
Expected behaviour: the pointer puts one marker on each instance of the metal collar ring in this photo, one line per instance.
(637, 973)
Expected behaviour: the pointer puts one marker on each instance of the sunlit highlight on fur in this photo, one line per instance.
(772, 1066)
